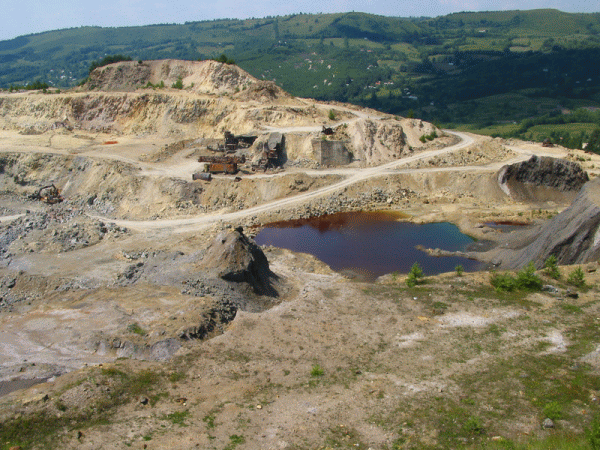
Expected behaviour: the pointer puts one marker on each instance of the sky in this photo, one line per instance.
(33, 16)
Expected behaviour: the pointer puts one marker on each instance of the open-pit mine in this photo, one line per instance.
(136, 310)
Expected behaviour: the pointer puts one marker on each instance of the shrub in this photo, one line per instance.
(178, 84)
(317, 371)
(459, 270)
(331, 114)
(503, 282)
(473, 425)
(415, 275)
(576, 277)
(224, 59)
(527, 280)
(551, 268)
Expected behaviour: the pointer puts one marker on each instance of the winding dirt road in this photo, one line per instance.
(354, 175)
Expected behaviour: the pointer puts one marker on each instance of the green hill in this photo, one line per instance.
(479, 68)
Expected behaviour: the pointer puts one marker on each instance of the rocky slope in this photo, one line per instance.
(199, 77)
(572, 236)
(129, 98)
(542, 178)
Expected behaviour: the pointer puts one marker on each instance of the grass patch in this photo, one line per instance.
(209, 420)
(44, 430)
(234, 441)
(317, 371)
(178, 418)
(571, 308)
(136, 329)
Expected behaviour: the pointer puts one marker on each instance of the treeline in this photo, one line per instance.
(560, 136)
(110, 59)
(29, 86)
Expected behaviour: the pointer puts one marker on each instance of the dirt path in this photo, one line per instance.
(354, 176)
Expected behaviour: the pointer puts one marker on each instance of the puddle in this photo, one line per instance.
(370, 244)
(507, 226)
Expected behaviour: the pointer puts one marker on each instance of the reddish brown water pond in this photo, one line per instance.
(370, 244)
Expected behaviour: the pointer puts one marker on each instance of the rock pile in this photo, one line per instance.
(233, 256)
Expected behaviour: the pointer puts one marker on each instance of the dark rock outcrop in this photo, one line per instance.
(542, 179)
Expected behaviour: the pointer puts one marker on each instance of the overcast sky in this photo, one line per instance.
(32, 16)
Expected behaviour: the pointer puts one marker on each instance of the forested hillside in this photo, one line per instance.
(484, 69)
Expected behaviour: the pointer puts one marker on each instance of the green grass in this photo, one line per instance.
(178, 418)
(317, 371)
(539, 132)
(44, 430)
(234, 441)
(136, 329)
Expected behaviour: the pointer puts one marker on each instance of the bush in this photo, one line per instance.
(551, 268)
(415, 275)
(526, 280)
(576, 278)
(503, 282)
(331, 114)
(459, 270)
(473, 425)
(178, 84)
(224, 59)
(317, 371)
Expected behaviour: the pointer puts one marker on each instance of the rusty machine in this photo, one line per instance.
(222, 164)
(48, 194)
(272, 152)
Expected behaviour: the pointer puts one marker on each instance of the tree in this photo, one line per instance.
(594, 142)
(415, 275)
(224, 59)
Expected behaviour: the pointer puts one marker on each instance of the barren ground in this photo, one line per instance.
(100, 292)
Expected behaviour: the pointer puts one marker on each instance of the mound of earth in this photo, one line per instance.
(207, 77)
(232, 256)
(542, 179)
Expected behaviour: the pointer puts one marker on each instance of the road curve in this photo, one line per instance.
(355, 176)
